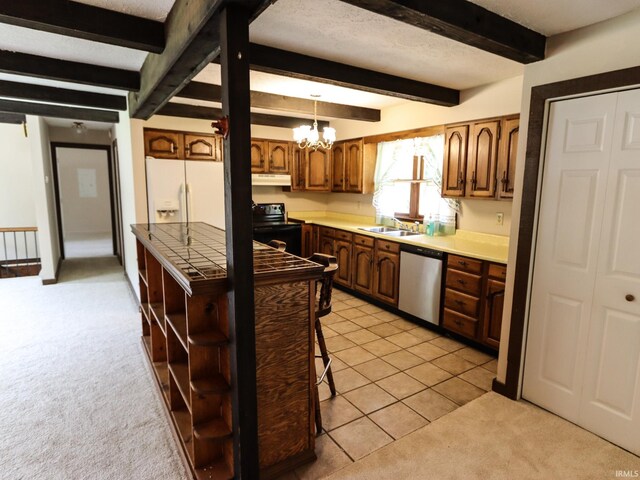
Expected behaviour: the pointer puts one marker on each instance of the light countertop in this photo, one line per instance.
(483, 246)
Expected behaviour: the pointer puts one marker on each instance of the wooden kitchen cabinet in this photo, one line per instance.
(337, 170)
(317, 171)
(474, 298)
(454, 168)
(326, 241)
(298, 169)
(480, 159)
(269, 156)
(507, 157)
(343, 253)
(353, 166)
(362, 265)
(310, 234)
(173, 145)
(386, 271)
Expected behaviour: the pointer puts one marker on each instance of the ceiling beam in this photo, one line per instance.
(79, 20)
(16, 118)
(172, 109)
(464, 22)
(66, 71)
(58, 111)
(193, 40)
(296, 65)
(212, 93)
(41, 93)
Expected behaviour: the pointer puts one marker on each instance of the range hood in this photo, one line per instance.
(270, 179)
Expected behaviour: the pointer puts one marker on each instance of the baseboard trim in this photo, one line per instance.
(54, 280)
(503, 389)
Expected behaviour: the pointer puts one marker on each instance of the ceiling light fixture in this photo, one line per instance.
(79, 127)
(308, 137)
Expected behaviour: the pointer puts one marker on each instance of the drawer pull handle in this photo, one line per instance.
(463, 263)
(458, 323)
(629, 297)
(462, 282)
(459, 302)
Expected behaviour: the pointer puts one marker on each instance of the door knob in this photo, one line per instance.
(629, 298)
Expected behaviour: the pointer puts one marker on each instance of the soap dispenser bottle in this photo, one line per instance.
(430, 226)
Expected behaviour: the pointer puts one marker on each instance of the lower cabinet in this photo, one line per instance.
(473, 299)
(386, 272)
(362, 265)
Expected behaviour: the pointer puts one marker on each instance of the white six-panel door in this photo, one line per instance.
(583, 347)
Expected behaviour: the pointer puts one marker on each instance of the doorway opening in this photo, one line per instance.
(83, 186)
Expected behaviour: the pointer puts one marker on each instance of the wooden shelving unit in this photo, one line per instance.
(185, 332)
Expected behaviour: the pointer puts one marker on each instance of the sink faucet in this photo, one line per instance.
(399, 224)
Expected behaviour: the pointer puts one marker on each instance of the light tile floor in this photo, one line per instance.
(392, 378)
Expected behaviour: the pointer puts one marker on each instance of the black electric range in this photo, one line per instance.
(270, 223)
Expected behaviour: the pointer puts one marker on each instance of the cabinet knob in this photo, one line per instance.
(173, 147)
(629, 298)
(462, 282)
(462, 262)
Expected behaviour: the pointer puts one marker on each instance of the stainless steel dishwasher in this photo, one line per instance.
(420, 282)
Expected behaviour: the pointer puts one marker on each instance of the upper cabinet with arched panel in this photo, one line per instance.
(480, 158)
(174, 145)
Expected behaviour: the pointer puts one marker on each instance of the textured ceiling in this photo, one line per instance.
(151, 9)
(551, 17)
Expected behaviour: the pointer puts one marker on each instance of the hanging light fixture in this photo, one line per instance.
(79, 127)
(309, 137)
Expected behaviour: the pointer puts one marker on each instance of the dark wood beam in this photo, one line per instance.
(172, 109)
(193, 40)
(212, 93)
(290, 64)
(234, 40)
(78, 20)
(16, 118)
(63, 70)
(58, 111)
(41, 93)
(464, 22)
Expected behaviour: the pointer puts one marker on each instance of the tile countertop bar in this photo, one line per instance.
(483, 246)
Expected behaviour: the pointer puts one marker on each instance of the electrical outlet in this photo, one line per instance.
(499, 218)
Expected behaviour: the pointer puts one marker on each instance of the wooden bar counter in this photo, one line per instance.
(183, 285)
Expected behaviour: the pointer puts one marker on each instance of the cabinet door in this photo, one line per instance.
(318, 170)
(163, 144)
(297, 168)
(258, 164)
(326, 245)
(278, 157)
(507, 157)
(353, 166)
(385, 285)
(363, 268)
(343, 250)
(307, 240)
(483, 155)
(454, 167)
(492, 319)
(337, 185)
(199, 147)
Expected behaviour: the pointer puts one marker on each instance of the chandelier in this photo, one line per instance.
(309, 137)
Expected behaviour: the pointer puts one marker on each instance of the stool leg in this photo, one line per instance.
(325, 357)
(318, 414)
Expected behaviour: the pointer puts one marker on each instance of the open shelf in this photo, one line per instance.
(218, 471)
(182, 419)
(215, 385)
(178, 322)
(214, 430)
(212, 338)
(180, 374)
(143, 276)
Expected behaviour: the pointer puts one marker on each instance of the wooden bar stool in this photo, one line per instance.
(323, 307)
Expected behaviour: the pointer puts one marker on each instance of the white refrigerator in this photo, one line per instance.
(185, 191)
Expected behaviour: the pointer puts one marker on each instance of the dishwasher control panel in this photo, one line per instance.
(424, 251)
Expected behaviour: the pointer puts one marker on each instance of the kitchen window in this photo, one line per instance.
(408, 178)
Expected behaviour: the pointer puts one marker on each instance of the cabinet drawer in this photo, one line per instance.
(363, 240)
(465, 282)
(498, 271)
(465, 263)
(327, 232)
(459, 323)
(461, 302)
(388, 246)
(342, 235)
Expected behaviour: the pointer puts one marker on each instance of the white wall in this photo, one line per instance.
(84, 208)
(89, 136)
(44, 197)
(17, 207)
(607, 46)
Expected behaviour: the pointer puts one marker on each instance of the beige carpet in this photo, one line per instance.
(495, 438)
(76, 400)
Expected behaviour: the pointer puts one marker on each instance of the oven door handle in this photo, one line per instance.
(282, 228)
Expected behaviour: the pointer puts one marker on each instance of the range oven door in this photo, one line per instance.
(291, 234)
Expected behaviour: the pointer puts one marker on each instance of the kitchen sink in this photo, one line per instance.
(400, 233)
(381, 229)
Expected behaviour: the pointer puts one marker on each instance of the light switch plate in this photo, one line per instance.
(499, 218)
